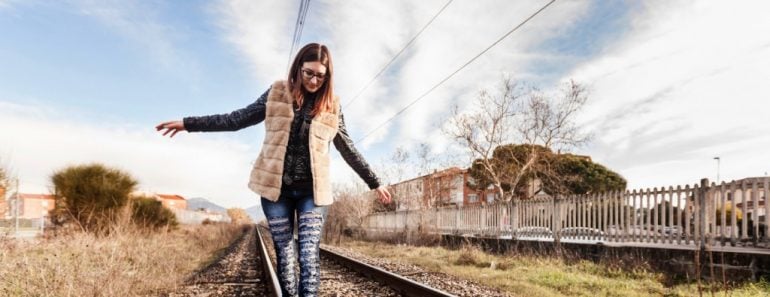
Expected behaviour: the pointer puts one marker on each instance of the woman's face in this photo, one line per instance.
(313, 76)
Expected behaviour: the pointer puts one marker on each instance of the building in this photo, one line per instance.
(172, 201)
(446, 187)
(754, 210)
(450, 187)
(408, 193)
(35, 206)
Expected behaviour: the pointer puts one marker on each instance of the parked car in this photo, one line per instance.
(580, 231)
(533, 233)
(670, 230)
(636, 230)
(584, 235)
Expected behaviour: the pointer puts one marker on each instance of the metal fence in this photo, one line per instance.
(727, 214)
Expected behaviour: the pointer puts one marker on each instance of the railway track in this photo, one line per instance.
(246, 268)
(344, 276)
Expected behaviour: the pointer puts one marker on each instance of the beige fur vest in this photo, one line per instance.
(266, 176)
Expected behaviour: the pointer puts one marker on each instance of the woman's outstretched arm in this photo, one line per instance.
(236, 120)
(350, 154)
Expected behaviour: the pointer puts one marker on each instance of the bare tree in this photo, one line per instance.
(395, 170)
(426, 161)
(515, 114)
(5, 189)
(352, 203)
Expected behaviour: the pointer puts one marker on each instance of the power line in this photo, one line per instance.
(361, 91)
(299, 24)
(456, 71)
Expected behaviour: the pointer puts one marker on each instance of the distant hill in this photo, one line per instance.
(196, 203)
(255, 212)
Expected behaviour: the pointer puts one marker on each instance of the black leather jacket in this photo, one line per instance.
(255, 113)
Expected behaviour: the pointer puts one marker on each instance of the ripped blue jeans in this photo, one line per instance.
(280, 217)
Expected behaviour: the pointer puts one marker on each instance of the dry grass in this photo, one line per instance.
(128, 262)
(542, 276)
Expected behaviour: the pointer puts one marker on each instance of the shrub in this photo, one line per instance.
(151, 214)
(471, 256)
(728, 209)
(91, 195)
(238, 216)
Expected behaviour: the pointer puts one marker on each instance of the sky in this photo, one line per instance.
(672, 84)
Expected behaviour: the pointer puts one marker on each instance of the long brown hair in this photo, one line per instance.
(313, 52)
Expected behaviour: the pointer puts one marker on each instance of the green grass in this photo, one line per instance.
(543, 276)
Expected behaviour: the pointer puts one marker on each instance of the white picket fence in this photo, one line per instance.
(190, 217)
(681, 215)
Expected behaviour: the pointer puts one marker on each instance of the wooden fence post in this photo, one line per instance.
(702, 211)
(556, 224)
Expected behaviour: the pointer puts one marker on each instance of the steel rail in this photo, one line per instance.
(405, 286)
(271, 279)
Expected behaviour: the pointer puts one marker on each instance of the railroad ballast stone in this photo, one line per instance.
(237, 273)
(450, 284)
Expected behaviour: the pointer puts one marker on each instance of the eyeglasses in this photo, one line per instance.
(309, 74)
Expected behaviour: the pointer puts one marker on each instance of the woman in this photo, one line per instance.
(302, 117)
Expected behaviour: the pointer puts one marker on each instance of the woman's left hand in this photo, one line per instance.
(383, 194)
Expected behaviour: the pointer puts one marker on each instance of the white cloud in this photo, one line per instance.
(261, 31)
(686, 83)
(38, 141)
(368, 34)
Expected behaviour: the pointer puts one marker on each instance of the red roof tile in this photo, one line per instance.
(171, 197)
(36, 196)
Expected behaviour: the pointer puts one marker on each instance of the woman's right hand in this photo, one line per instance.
(172, 126)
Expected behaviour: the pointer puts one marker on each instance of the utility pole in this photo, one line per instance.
(718, 163)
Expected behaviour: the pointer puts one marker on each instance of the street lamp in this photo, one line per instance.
(718, 161)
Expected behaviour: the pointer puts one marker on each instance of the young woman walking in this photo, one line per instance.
(302, 117)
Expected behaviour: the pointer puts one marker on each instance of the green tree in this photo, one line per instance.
(91, 195)
(570, 174)
(515, 165)
(150, 213)
(728, 209)
(559, 173)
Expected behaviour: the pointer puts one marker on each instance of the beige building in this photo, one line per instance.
(172, 201)
(35, 206)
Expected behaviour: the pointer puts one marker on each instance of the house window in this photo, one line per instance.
(473, 198)
(490, 197)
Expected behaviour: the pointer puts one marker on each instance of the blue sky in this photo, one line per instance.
(86, 81)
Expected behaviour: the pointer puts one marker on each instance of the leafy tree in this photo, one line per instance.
(728, 209)
(559, 173)
(91, 195)
(515, 166)
(570, 174)
(151, 214)
(238, 216)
